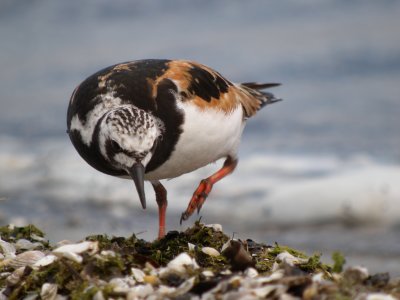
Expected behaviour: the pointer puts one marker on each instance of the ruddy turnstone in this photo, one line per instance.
(157, 119)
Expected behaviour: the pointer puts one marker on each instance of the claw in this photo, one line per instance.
(203, 190)
(184, 217)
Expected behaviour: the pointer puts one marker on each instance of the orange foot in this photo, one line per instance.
(199, 197)
(203, 190)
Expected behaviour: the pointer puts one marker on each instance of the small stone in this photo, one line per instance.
(356, 274)
(237, 255)
(310, 292)
(378, 280)
(151, 279)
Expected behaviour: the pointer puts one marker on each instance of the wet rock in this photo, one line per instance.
(237, 255)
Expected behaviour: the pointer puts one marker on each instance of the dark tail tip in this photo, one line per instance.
(260, 86)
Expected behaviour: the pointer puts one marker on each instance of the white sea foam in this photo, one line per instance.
(266, 189)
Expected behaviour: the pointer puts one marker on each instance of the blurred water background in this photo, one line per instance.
(319, 171)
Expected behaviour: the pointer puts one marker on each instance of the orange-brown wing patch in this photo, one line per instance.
(201, 85)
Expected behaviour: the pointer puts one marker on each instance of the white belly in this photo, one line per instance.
(207, 136)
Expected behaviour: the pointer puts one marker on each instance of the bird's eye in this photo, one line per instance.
(115, 146)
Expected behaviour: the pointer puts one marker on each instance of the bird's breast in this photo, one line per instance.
(207, 135)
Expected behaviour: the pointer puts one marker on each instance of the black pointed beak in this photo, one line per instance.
(137, 174)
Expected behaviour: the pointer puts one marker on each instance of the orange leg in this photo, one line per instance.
(201, 193)
(161, 198)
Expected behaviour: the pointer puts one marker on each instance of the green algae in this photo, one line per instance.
(30, 232)
(338, 262)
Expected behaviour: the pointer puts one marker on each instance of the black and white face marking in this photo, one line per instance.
(127, 139)
(127, 136)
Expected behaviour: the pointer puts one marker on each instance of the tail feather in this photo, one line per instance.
(260, 86)
(260, 98)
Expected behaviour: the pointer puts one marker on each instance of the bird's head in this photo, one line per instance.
(128, 137)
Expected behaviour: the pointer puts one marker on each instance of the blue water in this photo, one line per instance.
(331, 145)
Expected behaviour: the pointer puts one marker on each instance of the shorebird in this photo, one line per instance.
(157, 119)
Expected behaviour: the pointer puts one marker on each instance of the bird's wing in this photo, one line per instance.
(207, 89)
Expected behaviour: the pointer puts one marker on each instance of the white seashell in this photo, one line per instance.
(4, 275)
(140, 291)
(286, 296)
(87, 246)
(361, 270)
(23, 244)
(288, 258)
(64, 242)
(226, 245)
(274, 276)
(28, 258)
(138, 274)
(71, 256)
(184, 287)
(33, 296)
(45, 261)
(179, 265)
(251, 273)
(216, 227)
(38, 238)
(99, 296)
(319, 277)
(166, 290)
(2, 296)
(48, 291)
(222, 286)
(210, 251)
(379, 296)
(8, 249)
(226, 272)
(191, 247)
(108, 253)
(264, 291)
(122, 285)
(208, 273)
(275, 266)
(15, 276)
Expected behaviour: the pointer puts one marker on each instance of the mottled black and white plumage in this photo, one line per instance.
(158, 119)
